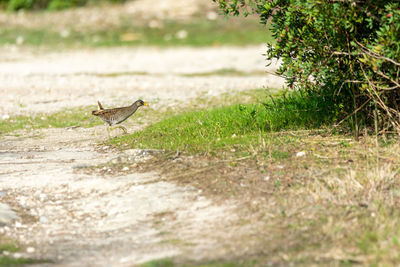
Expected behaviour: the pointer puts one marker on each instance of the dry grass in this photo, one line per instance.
(336, 205)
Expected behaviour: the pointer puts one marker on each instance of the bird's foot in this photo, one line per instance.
(120, 127)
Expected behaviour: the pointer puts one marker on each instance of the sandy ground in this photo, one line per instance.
(51, 81)
(111, 219)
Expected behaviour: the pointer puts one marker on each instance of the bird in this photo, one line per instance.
(114, 116)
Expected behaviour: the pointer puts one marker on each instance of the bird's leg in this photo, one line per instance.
(121, 127)
(108, 131)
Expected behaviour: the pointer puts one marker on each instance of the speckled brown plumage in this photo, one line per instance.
(117, 115)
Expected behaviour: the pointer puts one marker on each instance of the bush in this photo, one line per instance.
(64, 4)
(20, 4)
(348, 50)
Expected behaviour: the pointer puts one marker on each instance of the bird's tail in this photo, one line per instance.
(98, 112)
(100, 106)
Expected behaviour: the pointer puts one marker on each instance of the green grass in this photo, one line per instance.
(224, 72)
(199, 32)
(229, 127)
(10, 261)
(5, 260)
(170, 263)
(159, 263)
(66, 118)
(218, 72)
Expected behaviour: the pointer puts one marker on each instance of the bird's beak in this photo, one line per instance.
(144, 104)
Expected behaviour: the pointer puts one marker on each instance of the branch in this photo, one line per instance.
(375, 55)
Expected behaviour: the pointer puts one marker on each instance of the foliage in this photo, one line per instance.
(14, 5)
(345, 49)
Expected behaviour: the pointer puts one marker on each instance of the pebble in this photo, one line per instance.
(42, 197)
(266, 178)
(300, 154)
(30, 250)
(182, 34)
(43, 219)
(17, 255)
(125, 169)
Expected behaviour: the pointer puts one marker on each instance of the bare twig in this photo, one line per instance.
(355, 111)
(375, 55)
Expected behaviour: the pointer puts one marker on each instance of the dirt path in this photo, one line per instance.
(115, 218)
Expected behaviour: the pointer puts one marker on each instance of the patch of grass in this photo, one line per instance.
(159, 263)
(171, 263)
(11, 261)
(78, 117)
(224, 72)
(7, 246)
(219, 72)
(231, 127)
(197, 32)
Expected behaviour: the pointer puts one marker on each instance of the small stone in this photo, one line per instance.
(42, 196)
(5, 117)
(30, 250)
(182, 34)
(17, 255)
(300, 154)
(20, 40)
(18, 224)
(233, 135)
(43, 219)
(41, 148)
(125, 169)
(212, 15)
(266, 178)
(64, 33)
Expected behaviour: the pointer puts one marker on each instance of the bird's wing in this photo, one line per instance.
(100, 112)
